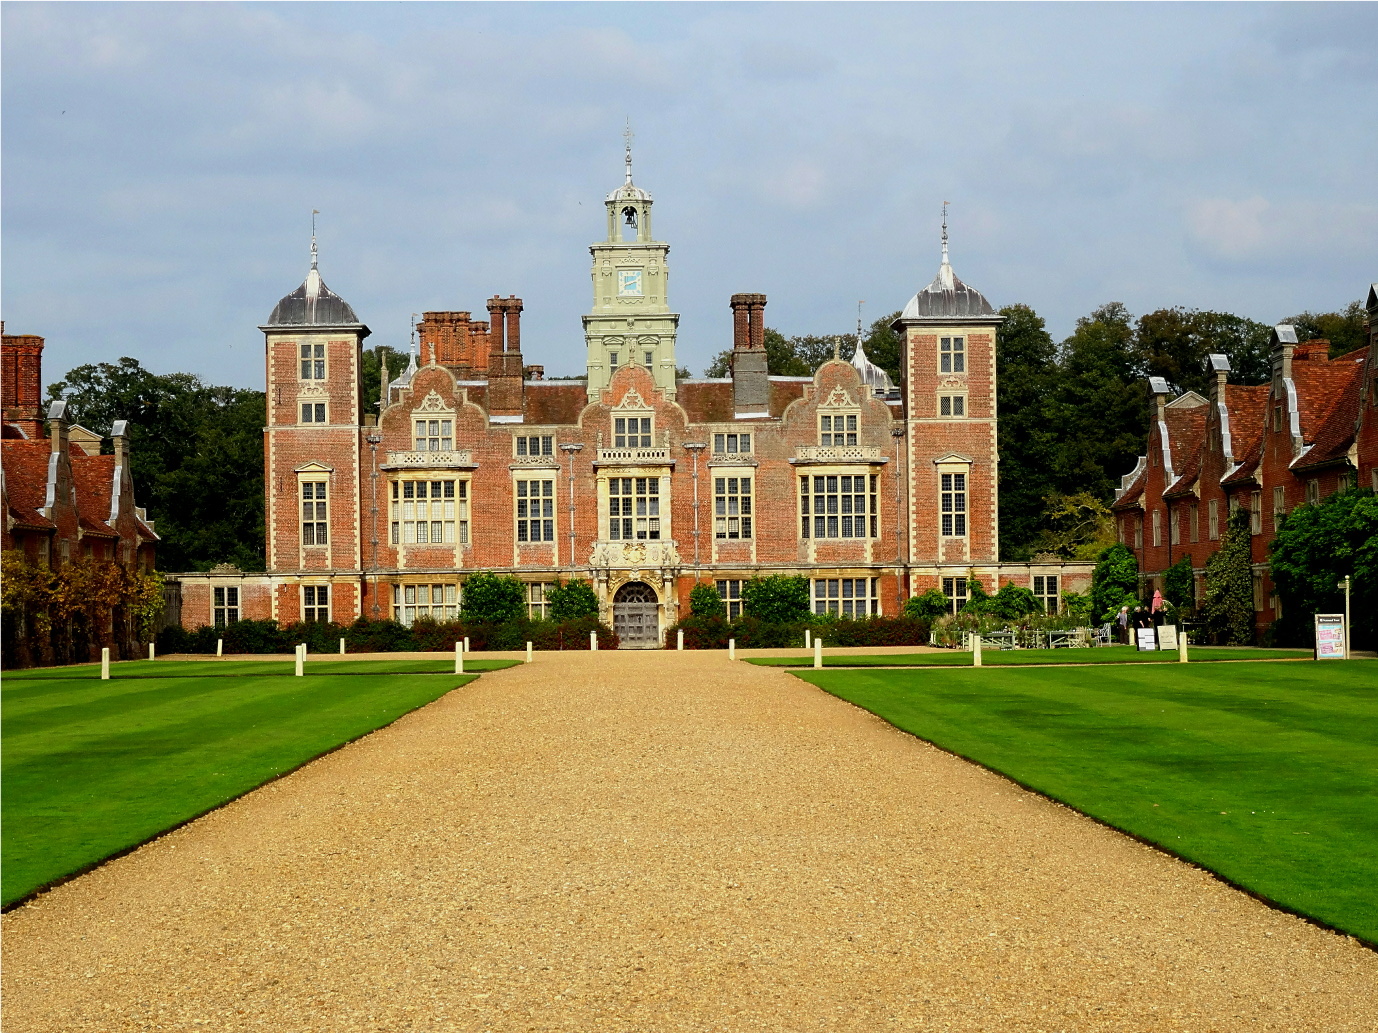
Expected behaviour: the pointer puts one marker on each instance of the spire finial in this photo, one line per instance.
(858, 326)
(627, 135)
(945, 204)
(314, 212)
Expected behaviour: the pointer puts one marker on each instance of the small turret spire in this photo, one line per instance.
(627, 135)
(314, 212)
(945, 204)
(945, 270)
(858, 326)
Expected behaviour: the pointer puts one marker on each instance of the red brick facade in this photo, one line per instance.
(474, 465)
(1267, 449)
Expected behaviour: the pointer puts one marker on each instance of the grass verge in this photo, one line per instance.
(93, 768)
(1262, 773)
(1017, 657)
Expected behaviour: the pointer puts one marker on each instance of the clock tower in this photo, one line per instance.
(631, 321)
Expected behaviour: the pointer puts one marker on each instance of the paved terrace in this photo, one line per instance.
(661, 842)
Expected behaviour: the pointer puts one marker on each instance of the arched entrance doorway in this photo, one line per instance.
(634, 616)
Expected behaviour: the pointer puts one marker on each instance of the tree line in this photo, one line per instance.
(1073, 420)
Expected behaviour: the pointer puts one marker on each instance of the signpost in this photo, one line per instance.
(1147, 639)
(1330, 636)
(1167, 637)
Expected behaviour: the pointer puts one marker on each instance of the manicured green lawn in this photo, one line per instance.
(92, 768)
(1012, 657)
(1266, 773)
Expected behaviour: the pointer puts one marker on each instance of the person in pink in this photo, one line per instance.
(1156, 611)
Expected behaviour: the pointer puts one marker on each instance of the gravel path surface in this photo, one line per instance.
(660, 842)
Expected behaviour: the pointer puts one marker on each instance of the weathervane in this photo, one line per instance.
(858, 324)
(314, 212)
(945, 204)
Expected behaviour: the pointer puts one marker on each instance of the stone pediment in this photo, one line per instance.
(314, 467)
(953, 457)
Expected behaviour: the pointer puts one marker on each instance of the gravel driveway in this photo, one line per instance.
(651, 841)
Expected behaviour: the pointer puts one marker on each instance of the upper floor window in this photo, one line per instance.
(536, 445)
(536, 511)
(634, 508)
(1157, 528)
(313, 514)
(435, 435)
(315, 602)
(612, 359)
(952, 405)
(650, 359)
(838, 506)
(1195, 520)
(1174, 527)
(313, 362)
(430, 512)
(952, 355)
(312, 412)
(1313, 492)
(1139, 531)
(1213, 518)
(1256, 512)
(226, 608)
(631, 432)
(837, 430)
(731, 444)
(732, 507)
(953, 505)
(1279, 506)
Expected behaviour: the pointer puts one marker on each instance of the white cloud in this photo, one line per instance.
(1255, 229)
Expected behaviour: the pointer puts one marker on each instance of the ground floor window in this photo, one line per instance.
(1045, 590)
(537, 608)
(955, 588)
(730, 592)
(847, 596)
(315, 602)
(226, 608)
(431, 602)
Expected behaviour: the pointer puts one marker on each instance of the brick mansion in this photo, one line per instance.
(382, 497)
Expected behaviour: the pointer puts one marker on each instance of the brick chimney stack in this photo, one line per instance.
(514, 324)
(750, 375)
(21, 389)
(496, 343)
(505, 374)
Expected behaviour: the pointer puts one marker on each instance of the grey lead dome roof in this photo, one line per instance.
(945, 297)
(313, 304)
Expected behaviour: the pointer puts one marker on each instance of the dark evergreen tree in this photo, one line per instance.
(1027, 371)
(1228, 606)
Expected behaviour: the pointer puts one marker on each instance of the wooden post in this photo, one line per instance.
(151, 651)
(105, 663)
(593, 641)
(732, 649)
(1181, 645)
(459, 657)
(342, 647)
(679, 635)
(220, 647)
(529, 657)
(807, 637)
(817, 654)
(976, 649)
(301, 660)
(466, 644)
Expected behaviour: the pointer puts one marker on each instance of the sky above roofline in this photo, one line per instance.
(161, 162)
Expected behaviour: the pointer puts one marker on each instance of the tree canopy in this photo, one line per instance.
(1316, 547)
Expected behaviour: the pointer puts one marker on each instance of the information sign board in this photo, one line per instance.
(1148, 640)
(1330, 636)
(1167, 637)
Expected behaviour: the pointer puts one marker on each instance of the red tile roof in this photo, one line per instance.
(1321, 386)
(552, 402)
(93, 477)
(1334, 432)
(1246, 407)
(26, 480)
(1186, 433)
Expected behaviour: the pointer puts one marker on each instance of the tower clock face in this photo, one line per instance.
(629, 283)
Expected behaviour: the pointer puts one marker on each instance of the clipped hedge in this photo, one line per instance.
(713, 632)
(386, 636)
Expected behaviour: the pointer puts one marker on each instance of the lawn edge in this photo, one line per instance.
(52, 884)
(1319, 923)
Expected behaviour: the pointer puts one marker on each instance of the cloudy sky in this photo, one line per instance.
(161, 162)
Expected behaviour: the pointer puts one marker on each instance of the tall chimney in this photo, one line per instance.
(514, 324)
(496, 344)
(21, 389)
(1284, 343)
(750, 373)
(506, 389)
(57, 426)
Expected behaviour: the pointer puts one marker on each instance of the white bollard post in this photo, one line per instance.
(220, 647)
(679, 644)
(151, 652)
(817, 654)
(807, 637)
(1181, 645)
(466, 644)
(976, 650)
(301, 660)
(593, 641)
(529, 657)
(732, 649)
(459, 657)
(105, 663)
(342, 647)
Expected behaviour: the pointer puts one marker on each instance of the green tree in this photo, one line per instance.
(1344, 329)
(1013, 602)
(371, 370)
(493, 598)
(704, 601)
(1078, 527)
(1228, 606)
(1316, 547)
(1026, 365)
(1114, 582)
(1173, 343)
(196, 455)
(927, 606)
(1101, 413)
(1179, 584)
(571, 600)
(778, 599)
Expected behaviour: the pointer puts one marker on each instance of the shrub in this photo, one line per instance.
(877, 631)
(249, 636)
(930, 605)
(1179, 585)
(976, 596)
(1011, 603)
(1228, 608)
(572, 601)
(1114, 582)
(778, 599)
(378, 636)
(493, 598)
(704, 601)
(1315, 548)
(1077, 606)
